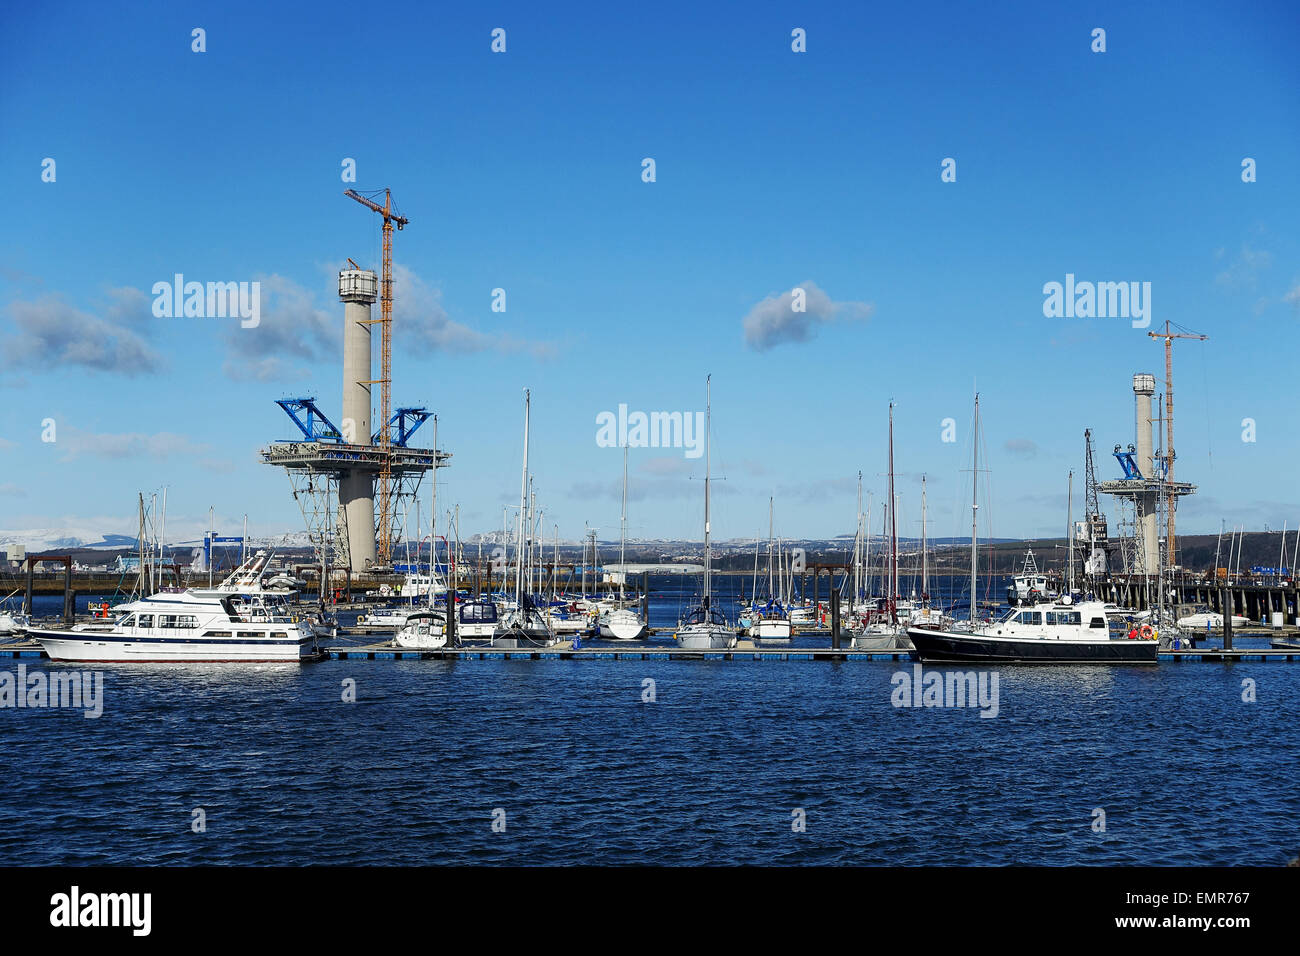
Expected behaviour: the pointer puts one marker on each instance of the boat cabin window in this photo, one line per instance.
(187, 620)
(1064, 617)
(1030, 617)
(143, 620)
(1097, 622)
(129, 621)
(166, 620)
(478, 613)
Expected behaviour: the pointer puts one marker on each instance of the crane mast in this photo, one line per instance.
(1169, 337)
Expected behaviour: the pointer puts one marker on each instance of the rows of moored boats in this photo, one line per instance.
(249, 616)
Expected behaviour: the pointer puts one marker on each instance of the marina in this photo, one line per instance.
(646, 440)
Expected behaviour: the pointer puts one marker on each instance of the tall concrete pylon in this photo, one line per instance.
(358, 289)
(1144, 386)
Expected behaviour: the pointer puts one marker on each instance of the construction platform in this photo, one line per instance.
(325, 456)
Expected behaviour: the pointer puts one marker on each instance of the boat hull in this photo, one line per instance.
(622, 626)
(705, 637)
(930, 646)
(868, 641)
(770, 629)
(105, 648)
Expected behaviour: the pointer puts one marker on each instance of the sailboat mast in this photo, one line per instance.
(857, 550)
(433, 519)
(771, 592)
(622, 538)
(708, 419)
(139, 577)
(974, 504)
(893, 525)
(1069, 534)
(925, 558)
(523, 511)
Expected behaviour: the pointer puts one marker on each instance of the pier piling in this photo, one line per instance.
(1227, 623)
(835, 619)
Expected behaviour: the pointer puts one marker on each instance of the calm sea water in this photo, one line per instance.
(713, 770)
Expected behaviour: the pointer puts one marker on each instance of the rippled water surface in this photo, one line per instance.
(710, 772)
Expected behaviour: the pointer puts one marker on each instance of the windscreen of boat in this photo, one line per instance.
(711, 616)
(478, 612)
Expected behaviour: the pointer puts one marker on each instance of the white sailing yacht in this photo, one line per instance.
(427, 627)
(881, 630)
(705, 628)
(622, 623)
(524, 623)
(771, 622)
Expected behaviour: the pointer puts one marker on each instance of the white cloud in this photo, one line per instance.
(1244, 270)
(774, 321)
(76, 443)
(819, 489)
(52, 333)
(291, 324)
(420, 320)
(1293, 296)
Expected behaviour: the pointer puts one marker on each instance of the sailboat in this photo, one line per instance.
(771, 621)
(622, 623)
(427, 628)
(705, 628)
(524, 623)
(11, 621)
(924, 614)
(881, 632)
(1061, 632)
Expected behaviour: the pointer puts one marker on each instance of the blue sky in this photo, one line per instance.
(774, 169)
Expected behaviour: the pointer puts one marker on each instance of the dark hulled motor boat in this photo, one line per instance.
(1058, 633)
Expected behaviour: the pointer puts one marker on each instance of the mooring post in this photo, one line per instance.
(645, 598)
(27, 592)
(1227, 624)
(69, 596)
(817, 607)
(835, 619)
(450, 629)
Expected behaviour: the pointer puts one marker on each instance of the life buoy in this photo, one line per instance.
(1146, 632)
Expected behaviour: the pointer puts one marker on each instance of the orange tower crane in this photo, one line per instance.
(383, 532)
(1169, 337)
